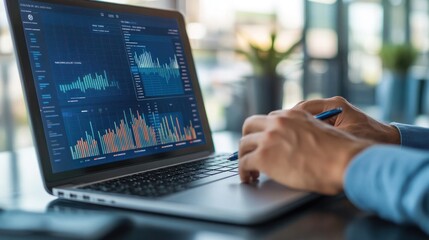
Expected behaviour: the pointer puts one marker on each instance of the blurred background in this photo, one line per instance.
(254, 56)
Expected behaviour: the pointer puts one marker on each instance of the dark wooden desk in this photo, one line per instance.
(325, 218)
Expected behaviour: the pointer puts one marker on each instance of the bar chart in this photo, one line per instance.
(90, 82)
(130, 132)
(159, 78)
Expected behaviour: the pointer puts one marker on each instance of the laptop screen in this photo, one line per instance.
(111, 86)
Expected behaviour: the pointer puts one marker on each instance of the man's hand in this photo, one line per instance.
(297, 150)
(352, 120)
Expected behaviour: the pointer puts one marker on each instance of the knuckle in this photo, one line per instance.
(301, 105)
(247, 124)
(280, 121)
(263, 152)
(340, 99)
(295, 113)
(269, 136)
(275, 112)
(301, 102)
(248, 120)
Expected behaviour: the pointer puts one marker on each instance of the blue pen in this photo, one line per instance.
(320, 116)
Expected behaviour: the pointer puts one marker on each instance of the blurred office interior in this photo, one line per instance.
(337, 53)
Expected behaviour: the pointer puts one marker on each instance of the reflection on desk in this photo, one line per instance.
(326, 218)
(372, 228)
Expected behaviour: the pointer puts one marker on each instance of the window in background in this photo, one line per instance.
(419, 21)
(398, 22)
(322, 63)
(13, 118)
(213, 27)
(420, 25)
(420, 29)
(365, 40)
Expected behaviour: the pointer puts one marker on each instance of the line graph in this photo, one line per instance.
(90, 83)
(159, 78)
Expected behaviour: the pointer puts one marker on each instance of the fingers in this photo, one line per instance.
(253, 129)
(315, 107)
(262, 131)
(277, 112)
(248, 144)
(320, 105)
(248, 170)
(294, 112)
(254, 124)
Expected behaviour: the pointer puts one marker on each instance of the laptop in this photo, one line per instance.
(118, 117)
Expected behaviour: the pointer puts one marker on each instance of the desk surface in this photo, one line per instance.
(325, 218)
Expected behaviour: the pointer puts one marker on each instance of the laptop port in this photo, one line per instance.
(73, 195)
(60, 194)
(100, 200)
(86, 197)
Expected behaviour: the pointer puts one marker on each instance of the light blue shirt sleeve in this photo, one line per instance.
(413, 136)
(393, 181)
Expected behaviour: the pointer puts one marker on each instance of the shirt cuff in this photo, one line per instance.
(413, 136)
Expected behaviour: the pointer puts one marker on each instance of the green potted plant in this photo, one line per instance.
(394, 94)
(398, 58)
(266, 85)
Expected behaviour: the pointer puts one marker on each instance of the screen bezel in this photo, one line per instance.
(53, 179)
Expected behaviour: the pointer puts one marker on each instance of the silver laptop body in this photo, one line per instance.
(113, 94)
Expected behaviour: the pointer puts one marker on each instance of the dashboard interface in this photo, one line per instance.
(110, 86)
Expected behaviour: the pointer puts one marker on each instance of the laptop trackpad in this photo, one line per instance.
(230, 195)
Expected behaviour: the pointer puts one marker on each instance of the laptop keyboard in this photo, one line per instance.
(164, 181)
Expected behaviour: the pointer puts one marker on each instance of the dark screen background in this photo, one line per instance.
(111, 86)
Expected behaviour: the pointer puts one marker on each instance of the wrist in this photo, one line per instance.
(393, 136)
(348, 155)
(385, 134)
